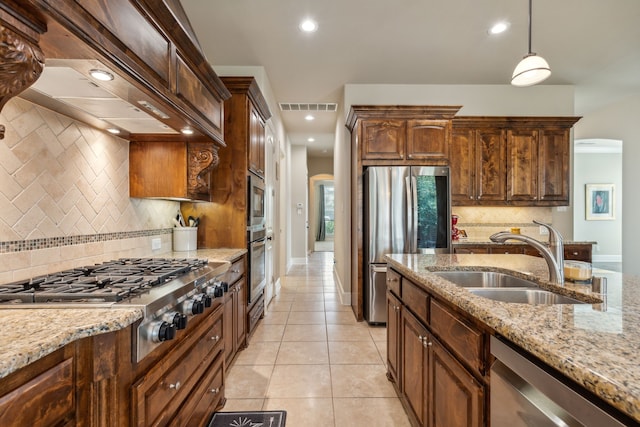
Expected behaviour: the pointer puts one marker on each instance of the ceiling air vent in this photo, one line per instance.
(295, 106)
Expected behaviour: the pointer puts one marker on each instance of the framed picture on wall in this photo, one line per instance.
(599, 202)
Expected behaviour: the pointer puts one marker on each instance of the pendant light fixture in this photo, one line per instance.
(533, 69)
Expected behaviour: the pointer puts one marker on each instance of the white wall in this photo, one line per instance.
(476, 100)
(599, 168)
(620, 121)
(342, 199)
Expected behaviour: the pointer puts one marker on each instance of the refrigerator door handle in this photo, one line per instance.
(409, 211)
(414, 208)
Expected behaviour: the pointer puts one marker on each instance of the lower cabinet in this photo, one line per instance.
(235, 310)
(437, 364)
(48, 398)
(171, 386)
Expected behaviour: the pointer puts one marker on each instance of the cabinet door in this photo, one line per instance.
(428, 139)
(413, 369)
(256, 141)
(228, 321)
(522, 165)
(490, 164)
(383, 139)
(553, 165)
(394, 312)
(456, 398)
(462, 166)
(240, 314)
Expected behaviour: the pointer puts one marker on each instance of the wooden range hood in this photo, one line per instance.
(148, 45)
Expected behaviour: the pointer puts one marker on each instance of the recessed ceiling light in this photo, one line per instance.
(309, 117)
(499, 27)
(308, 25)
(186, 131)
(101, 75)
(114, 131)
(311, 139)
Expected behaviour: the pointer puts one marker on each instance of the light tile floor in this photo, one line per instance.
(311, 358)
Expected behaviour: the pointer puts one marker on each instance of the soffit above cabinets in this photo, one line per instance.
(70, 87)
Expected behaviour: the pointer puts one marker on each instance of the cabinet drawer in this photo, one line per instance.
(507, 249)
(197, 410)
(416, 300)
(472, 250)
(463, 339)
(236, 271)
(159, 394)
(577, 253)
(45, 400)
(393, 282)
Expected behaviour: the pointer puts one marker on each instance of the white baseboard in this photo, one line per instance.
(607, 258)
(345, 296)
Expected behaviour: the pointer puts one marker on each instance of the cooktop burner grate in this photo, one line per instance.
(111, 281)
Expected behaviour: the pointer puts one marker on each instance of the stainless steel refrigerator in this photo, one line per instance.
(406, 210)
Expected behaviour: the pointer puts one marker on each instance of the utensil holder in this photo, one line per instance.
(185, 239)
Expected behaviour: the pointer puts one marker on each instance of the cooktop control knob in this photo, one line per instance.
(204, 299)
(192, 306)
(175, 318)
(225, 286)
(160, 331)
(215, 291)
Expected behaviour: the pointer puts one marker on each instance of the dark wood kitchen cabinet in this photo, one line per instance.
(402, 133)
(578, 251)
(148, 43)
(478, 164)
(44, 394)
(517, 161)
(224, 223)
(442, 358)
(390, 135)
(169, 386)
(235, 310)
(172, 170)
(394, 318)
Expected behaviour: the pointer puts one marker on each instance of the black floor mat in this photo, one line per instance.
(249, 419)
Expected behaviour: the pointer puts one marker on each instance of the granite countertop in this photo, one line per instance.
(28, 334)
(474, 241)
(596, 345)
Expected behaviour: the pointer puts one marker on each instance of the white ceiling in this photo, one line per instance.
(592, 44)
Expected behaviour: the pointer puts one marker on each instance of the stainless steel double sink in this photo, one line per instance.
(504, 287)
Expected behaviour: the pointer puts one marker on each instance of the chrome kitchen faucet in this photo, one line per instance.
(553, 254)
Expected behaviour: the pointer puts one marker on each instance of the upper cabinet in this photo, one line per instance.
(519, 161)
(402, 134)
(148, 46)
(224, 223)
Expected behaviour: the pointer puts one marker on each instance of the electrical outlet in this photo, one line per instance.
(156, 243)
(543, 231)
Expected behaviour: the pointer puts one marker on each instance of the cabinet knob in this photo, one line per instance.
(392, 279)
(575, 253)
(214, 390)
(215, 338)
(175, 386)
(471, 197)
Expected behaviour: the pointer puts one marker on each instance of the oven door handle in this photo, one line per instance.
(258, 243)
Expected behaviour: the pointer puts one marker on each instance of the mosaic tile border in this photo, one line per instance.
(52, 242)
(497, 224)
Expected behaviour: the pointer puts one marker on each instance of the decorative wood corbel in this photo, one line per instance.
(21, 63)
(202, 159)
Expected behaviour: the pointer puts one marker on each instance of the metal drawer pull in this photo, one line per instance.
(175, 386)
(214, 390)
(215, 338)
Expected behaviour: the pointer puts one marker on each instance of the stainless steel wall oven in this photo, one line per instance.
(256, 236)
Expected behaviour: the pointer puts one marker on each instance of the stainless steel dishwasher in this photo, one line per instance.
(525, 394)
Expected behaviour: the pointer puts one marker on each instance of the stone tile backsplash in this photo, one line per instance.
(480, 222)
(64, 196)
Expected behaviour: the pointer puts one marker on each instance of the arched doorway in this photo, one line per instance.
(322, 214)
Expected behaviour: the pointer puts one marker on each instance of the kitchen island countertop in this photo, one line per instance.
(596, 345)
(28, 334)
